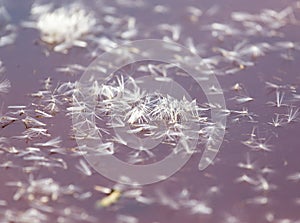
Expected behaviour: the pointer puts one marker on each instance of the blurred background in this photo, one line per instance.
(251, 46)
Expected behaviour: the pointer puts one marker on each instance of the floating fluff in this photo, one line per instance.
(7, 30)
(254, 51)
(63, 27)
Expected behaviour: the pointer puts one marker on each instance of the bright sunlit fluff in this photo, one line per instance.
(63, 27)
(7, 30)
(154, 115)
(256, 175)
(4, 83)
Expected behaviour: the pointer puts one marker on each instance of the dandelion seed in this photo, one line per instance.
(199, 208)
(288, 45)
(51, 143)
(164, 79)
(30, 122)
(266, 22)
(7, 31)
(194, 12)
(246, 179)
(12, 150)
(27, 215)
(273, 86)
(294, 177)
(3, 203)
(101, 189)
(267, 170)
(292, 114)
(297, 201)
(277, 121)
(167, 200)
(269, 216)
(17, 107)
(8, 164)
(43, 114)
(184, 201)
(133, 193)
(4, 86)
(243, 54)
(248, 165)
(75, 23)
(191, 45)
(259, 200)
(84, 168)
(106, 148)
(117, 138)
(220, 30)
(296, 96)
(174, 29)
(213, 10)
(31, 133)
(39, 187)
(39, 94)
(244, 113)
(234, 70)
(52, 106)
(71, 69)
(228, 218)
(214, 190)
(241, 16)
(263, 146)
(256, 143)
(129, 34)
(243, 99)
(254, 50)
(126, 219)
(131, 3)
(161, 9)
(279, 99)
(237, 87)
(264, 185)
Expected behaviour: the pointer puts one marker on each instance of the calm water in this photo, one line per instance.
(28, 62)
